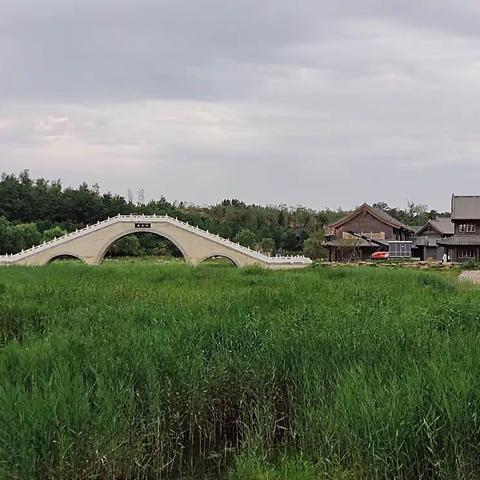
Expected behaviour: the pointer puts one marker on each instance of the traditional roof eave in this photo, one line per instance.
(460, 240)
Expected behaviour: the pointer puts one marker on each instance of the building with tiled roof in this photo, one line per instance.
(426, 239)
(464, 244)
(376, 228)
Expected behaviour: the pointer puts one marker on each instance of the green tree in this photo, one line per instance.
(267, 245)
(246, 238)
(127, 246)
(54, 232)
(313, 248)
(25, 235)
(6, 237)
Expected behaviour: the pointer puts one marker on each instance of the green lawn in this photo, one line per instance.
(138, 370)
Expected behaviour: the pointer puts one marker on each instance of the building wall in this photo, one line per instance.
(432, 237)
(431, 252)
(455, 255)
(365, 222)
(430, 232)
(457, 252)
(434, 253)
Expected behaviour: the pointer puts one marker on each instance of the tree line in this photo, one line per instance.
(37, 210)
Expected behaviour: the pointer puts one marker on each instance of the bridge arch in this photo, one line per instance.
(105, 247)
(222, 255)
(64, 256)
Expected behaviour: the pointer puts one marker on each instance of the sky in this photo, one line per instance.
(315, 103)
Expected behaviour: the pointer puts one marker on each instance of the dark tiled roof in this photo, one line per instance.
(376, 212)
(465, 207)
(390, 219)
(460, 240)
(444, 225)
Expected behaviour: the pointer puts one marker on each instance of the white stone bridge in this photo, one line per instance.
(91, 243)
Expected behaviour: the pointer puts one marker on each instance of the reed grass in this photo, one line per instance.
(167, 371)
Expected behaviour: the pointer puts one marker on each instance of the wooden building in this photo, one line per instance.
(464, 244)
(376, 225)
(426, 239)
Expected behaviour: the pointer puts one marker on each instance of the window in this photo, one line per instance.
(466, 253)
(466, 228)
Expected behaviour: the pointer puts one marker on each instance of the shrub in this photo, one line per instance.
(246, 238)
(469, 265)
(267, 245)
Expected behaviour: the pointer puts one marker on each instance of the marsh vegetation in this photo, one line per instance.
(137, 370)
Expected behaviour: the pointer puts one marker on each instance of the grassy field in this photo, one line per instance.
(166, 371)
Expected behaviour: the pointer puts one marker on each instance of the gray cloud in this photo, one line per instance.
(316, 103)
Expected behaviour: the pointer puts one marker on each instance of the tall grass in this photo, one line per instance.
(148, 371)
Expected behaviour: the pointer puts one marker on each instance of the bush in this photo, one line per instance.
(126, 246)
(267, 245)
(246, 238)
(54, 232)
(469, 265)
(313, 247)
(25, 235)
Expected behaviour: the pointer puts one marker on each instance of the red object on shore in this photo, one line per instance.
(380, 255)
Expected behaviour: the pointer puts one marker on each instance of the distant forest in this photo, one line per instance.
(37, 210)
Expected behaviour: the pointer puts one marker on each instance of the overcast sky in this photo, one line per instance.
(312, 102)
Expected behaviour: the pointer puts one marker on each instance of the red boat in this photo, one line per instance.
(380, 255)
